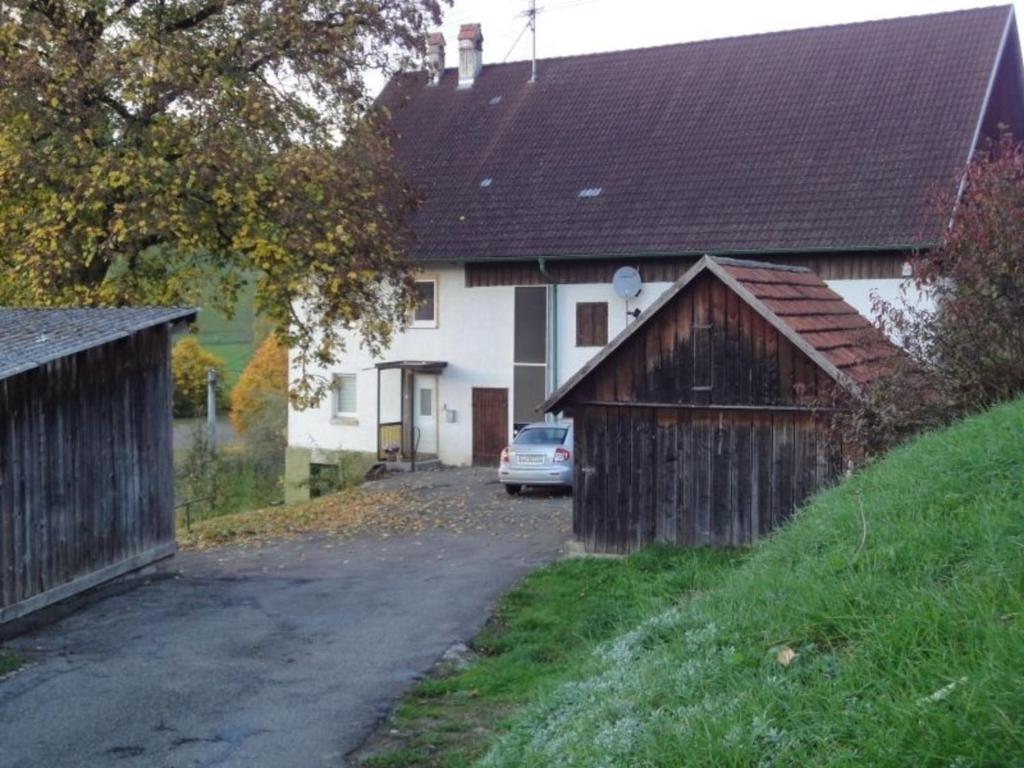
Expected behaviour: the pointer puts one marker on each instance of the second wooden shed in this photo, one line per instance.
(707, 421)
(86, 465)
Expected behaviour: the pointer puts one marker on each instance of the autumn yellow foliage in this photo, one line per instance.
(190, 362)
(262, 385)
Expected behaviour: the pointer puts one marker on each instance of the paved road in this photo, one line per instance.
(284, 656)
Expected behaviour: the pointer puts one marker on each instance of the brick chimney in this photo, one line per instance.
(471, 54)
(435, 56)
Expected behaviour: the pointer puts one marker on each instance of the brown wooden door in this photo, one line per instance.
(490, 424)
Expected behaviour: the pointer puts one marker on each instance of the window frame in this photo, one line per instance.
(433, 322)
(336, 412)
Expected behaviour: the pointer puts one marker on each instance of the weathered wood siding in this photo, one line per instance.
(831, 266)
(707, 348)
(692, 477)
(86, 475)
(704, 428)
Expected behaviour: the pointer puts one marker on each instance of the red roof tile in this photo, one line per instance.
(830, 326)
(834, 137)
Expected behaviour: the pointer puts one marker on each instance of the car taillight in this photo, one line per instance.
(562, 455)
(504, 455)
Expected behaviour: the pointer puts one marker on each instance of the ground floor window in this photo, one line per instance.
(323, 479)
(344, 394)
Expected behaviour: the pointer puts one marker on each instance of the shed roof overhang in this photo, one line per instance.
(416, 366)
(34, 337)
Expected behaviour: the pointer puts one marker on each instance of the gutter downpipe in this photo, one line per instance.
(552, 383)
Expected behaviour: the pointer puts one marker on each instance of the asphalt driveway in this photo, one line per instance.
(281, 656)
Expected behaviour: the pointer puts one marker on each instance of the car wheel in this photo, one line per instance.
(512, 489)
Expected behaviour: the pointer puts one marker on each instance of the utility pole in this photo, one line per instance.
(211, 408)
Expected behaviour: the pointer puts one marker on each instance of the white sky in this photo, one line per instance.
(586, 26)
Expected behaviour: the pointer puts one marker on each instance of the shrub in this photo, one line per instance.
(259, 397)
(966, 349)
(189, 365)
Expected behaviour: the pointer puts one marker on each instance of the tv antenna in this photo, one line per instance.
(531, 24)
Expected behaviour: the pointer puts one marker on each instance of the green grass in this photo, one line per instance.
(9, 661)
(541, 635)
(900, 593)
(230, 338)
(235, 357)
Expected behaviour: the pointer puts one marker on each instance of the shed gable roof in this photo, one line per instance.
(30, 338)
(828, 138)
(796, 302)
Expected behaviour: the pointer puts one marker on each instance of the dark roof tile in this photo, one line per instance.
(834, 137)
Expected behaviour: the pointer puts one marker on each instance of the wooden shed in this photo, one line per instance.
(707, 420)
(86, 474)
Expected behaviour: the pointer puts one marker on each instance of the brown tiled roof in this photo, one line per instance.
(834, 137)
(837, 331)
(793, 300)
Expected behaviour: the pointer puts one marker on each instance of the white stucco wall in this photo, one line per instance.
(475, 337)
(570, 357)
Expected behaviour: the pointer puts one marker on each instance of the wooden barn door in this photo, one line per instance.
(490, 424)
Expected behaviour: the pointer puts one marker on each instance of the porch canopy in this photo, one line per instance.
(416, 366)
(402, 431)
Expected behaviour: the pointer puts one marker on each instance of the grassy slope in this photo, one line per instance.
(899, 591)
(541, 635)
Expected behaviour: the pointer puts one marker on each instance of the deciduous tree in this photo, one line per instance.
(149, 147)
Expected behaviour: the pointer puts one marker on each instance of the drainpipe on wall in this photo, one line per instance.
(552, 324)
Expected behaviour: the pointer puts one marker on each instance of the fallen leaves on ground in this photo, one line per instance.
(339, 514)
(461, 501)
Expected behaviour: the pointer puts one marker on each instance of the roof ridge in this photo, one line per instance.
(728, 261)
(770, 33)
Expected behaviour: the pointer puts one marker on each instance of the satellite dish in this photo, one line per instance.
(627, 283)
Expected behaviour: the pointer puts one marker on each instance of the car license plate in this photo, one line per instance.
(530, 458)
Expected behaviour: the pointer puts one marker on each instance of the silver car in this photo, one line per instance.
(540, 454)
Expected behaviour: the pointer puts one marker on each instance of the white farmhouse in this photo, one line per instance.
(823, 148)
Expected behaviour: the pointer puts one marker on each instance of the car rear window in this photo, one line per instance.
(541, 436)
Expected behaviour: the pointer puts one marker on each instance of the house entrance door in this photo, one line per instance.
(425, 415)
(490, 425)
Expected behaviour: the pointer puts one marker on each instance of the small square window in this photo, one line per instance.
(591, 323)
(425, 313)
(344, 390)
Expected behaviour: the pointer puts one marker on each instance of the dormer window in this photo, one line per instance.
(425, 313)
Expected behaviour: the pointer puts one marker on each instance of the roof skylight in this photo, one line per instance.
(486, 182)
(590, 191)
(495, 100)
